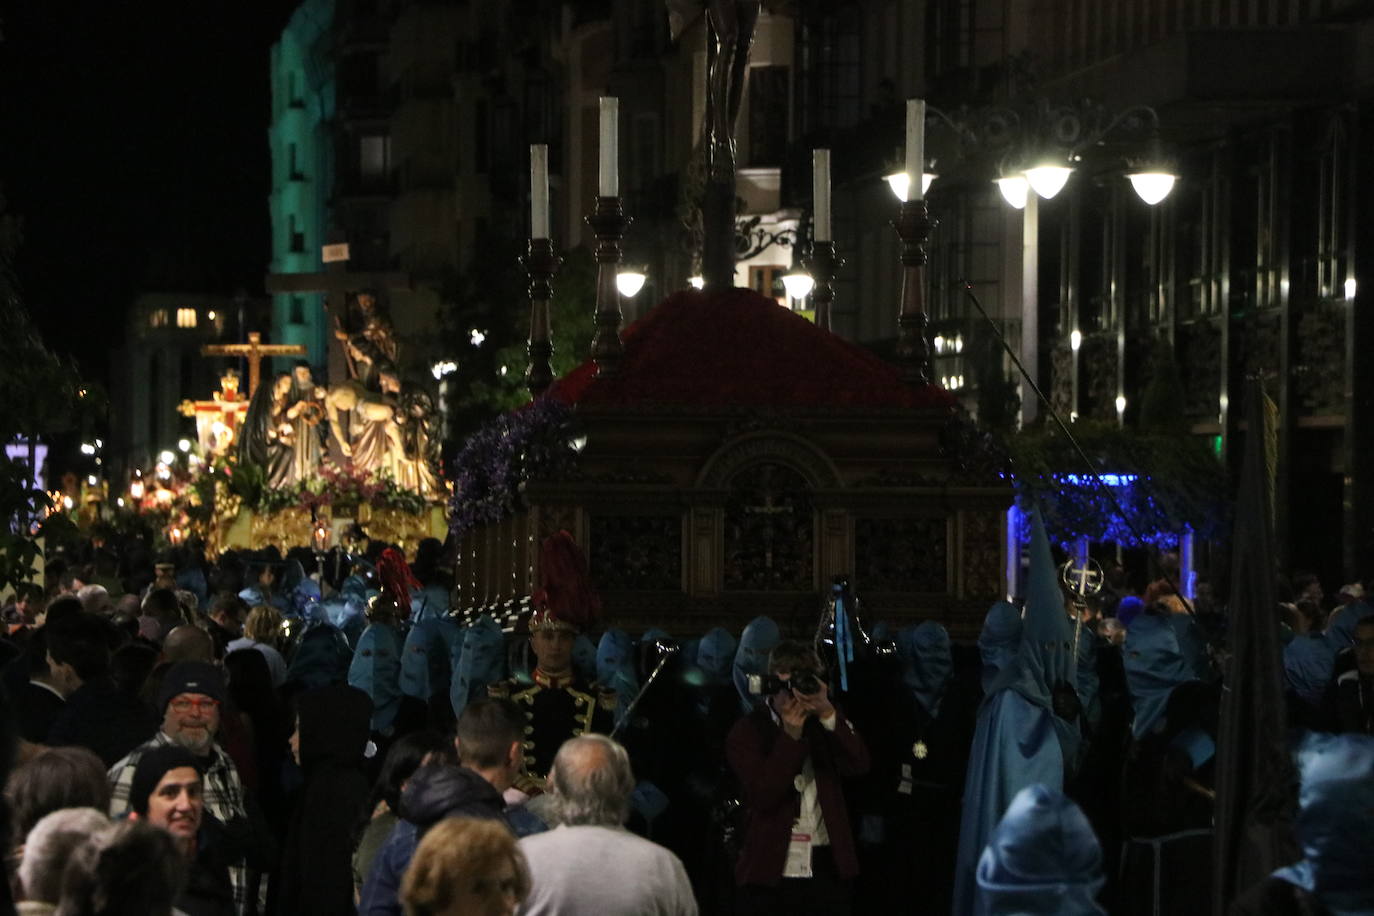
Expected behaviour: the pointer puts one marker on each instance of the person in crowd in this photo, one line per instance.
(376, 665)
(1352, 608)
(1042, 860)
(1308, 664)
(129, 867)
(383, 806)
(40, 701)
(489, 745)
(98, 715)
(262, 718)
(53, 779)
(790, 757)
(1335, 832)
(1027, 728)
(615, 667)
(590, 784)
(478, 659)
(1352, 695)
(260, 633)
(47, 848)
(321, 658)
(167, 791)
(190, 699)
(1114, 631)
(328, 742)
(466, 867)
(95, 599)
(162, 605)
(557, 704)
(225, 620)
(758, 640)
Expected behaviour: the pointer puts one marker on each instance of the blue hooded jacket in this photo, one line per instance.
(376, 671)
(1335, 825)
(481, 662)
(1043, 859)
(1018, 740)
(757, 642)
(1161, 652)
(927, 663)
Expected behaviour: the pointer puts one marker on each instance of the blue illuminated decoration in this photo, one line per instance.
(1086, 480)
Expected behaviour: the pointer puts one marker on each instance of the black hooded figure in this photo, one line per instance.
(316, 876)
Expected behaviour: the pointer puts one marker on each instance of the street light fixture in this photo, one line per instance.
(900, 183)
(629, 282)
(697, 282)
(1152, 187)
(1015, 190)
(798, 283)
(1048, 179)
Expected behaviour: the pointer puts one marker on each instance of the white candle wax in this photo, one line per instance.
(820, 193)
(915, 147)
(539, 191)
(609, 172)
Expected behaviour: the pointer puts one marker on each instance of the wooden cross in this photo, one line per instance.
(253, 351)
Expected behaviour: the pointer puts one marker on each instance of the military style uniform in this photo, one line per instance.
(556, 709)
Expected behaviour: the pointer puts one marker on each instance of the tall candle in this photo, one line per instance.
(820, 193)
(915, 147)
(539, 191)
(610, 152)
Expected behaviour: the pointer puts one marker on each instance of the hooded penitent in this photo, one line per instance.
(480, 662)
(1019, 740)
(715, 654)
(927, 664)
(1043, 859)
(376, 671)
(1308, 663)
(999, 640)
(1161, 652)
(759, 639)
(615, 666)
(1335, 825)
(424, 659)
(321, 658)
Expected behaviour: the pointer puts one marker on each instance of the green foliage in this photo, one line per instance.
(1179, 483)
(1162, 403)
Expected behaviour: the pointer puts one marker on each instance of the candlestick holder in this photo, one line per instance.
(913, 225)
(541, 264)
(609, 223)
(822, 263)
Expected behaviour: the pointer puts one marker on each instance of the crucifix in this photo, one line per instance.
(253, 351)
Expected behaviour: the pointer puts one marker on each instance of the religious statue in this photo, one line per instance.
(373, 441)
(730, 35)
(419, 427)
(266, 437)
(218, 420)
(372, 342)
(302, 410)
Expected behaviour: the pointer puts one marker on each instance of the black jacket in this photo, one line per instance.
(105, 719)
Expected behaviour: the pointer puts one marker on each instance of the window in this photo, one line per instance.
(374, 156)
(767, 115)
(157, 318)
(294, 164)
(186, 318)
(295, 235)
(767, 281)
(297, 315)
(293, 90)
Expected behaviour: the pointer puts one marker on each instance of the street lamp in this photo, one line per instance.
(1048, 178)
(1015, 190)
(697, 282)
(1152, 187)
(900, 183)
(798, 283)
(629, 283)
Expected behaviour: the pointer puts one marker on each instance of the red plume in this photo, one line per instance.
(566, 592)
(396, 580)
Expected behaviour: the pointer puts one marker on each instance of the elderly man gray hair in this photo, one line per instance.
(47, 848)
(591, 782)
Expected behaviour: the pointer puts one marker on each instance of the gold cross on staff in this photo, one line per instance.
(253, 351)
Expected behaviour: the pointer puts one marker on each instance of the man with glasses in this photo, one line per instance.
(190, 701)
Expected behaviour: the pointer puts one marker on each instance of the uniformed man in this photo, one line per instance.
(558, 704)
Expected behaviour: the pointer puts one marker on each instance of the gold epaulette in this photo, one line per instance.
(606, 697)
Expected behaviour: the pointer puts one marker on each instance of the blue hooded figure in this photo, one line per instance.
(1089, 684)
(615, 667)
(999, 640)
(482, 661)
(1308, 663)
(424, 659)
(1019, 739)
(584, 658)
(715, 655)
(1335, 825)
(1161, 652)
(429, 602)
(1043, 859)
(322, 658)
(927, 663)
(756, 643)
(1340, 628)
(376, 671)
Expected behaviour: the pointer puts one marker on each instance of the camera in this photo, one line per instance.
(803, 682)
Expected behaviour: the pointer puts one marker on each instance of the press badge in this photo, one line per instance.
(798, 863)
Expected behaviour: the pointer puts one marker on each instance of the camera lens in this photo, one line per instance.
(805, 682)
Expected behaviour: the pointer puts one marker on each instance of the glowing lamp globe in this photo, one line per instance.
(629, 282)
(900, 183)
(697, 282)
(1152, 187)
(798, 283)
(1048, 180)
(1014, 190)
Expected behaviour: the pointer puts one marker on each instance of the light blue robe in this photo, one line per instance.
(1042, 860)
(376, 671)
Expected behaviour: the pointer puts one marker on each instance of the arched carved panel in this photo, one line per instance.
(770, 530)
(776, 447)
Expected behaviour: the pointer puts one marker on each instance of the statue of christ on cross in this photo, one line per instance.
(253, 351)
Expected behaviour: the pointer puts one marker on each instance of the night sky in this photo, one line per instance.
(134, 147)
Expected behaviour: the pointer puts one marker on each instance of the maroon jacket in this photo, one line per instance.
(766, 762)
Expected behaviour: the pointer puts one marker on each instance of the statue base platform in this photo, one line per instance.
(295, 527)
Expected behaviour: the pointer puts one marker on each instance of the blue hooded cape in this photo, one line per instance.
(714, 656)
(1043, 859)
(321, 658)
(999, 640)
(1308, 663)
(1335, 824)
(615, 667)
(927, 663)
(584, 657)
(481, 661)
(376, 671)
(759, 639)
(424, 659)
(1161, 652)
(1018, 740)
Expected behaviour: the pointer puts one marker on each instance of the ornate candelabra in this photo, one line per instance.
(609, 223)
(913, 225)
(541, 264)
